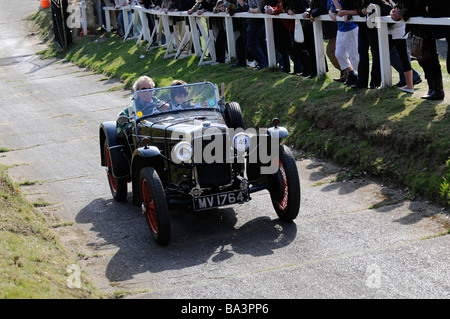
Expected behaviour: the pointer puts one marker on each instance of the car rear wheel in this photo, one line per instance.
(285, 186)
(154, 205)
(233, 115)
(118, 186)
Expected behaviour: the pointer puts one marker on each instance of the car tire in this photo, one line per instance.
(118, 186)
(233, 115)
(285, 186)
(154, 205)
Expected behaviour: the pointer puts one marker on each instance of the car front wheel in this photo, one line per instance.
(154, 205)
(285, 186)
(233, 115)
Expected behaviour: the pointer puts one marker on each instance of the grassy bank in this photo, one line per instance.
(385, 132)
(33, 264)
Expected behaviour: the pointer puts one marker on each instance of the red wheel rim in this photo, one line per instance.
(111, 179)
(149, 206)
(283, 203)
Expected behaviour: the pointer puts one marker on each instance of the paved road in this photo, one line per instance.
(337, 248)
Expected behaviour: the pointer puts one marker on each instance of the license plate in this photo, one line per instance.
(221, 199)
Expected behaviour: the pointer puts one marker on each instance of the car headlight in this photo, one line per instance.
(241, 142)
(182, 152)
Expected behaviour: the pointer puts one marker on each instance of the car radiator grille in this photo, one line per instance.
(217, 173)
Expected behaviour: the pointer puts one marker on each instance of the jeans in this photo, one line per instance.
(396, 63)
(256, 43)
(122, 23)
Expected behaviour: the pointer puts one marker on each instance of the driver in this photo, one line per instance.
(143, 99)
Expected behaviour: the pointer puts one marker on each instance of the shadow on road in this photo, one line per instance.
(197, 237)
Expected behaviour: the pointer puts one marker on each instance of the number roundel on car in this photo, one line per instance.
(212, 102)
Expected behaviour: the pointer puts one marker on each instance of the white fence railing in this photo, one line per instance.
(184, 34)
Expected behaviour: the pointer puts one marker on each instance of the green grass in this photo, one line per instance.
(385, 132)
(33, 262)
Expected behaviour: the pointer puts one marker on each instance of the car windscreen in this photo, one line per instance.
(175, 98)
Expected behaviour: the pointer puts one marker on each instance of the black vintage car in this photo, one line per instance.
(196, 152)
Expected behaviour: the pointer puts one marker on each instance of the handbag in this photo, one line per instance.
(298, 31)
(419, 47)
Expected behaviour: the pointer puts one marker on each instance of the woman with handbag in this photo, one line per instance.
(429, 61)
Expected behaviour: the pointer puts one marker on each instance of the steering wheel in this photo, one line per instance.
(148, 109)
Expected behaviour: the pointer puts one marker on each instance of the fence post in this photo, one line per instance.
(230, 36)
(385, 59)
(318, 44)
(270, 41)
(145, 30)
(84, 18)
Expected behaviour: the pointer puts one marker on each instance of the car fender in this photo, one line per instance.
(143, 157)
(278, 132)
(262, 156)
(119, 162)
(107, 133)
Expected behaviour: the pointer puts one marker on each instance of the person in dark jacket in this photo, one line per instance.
(439, 9)
(431, 66)
(283, 36)
(367, 39)
(305, 51)
(242, 55)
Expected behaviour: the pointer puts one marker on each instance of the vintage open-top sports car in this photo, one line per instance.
(184, 145)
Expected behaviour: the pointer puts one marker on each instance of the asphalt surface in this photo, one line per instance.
(338, 246)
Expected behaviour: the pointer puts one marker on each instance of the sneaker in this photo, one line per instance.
(359, 86)
(252, 64)
(341, 79)
(405, 89)
(417, 81)
(351, 79)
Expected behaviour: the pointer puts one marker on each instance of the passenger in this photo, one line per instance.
(179, 96)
